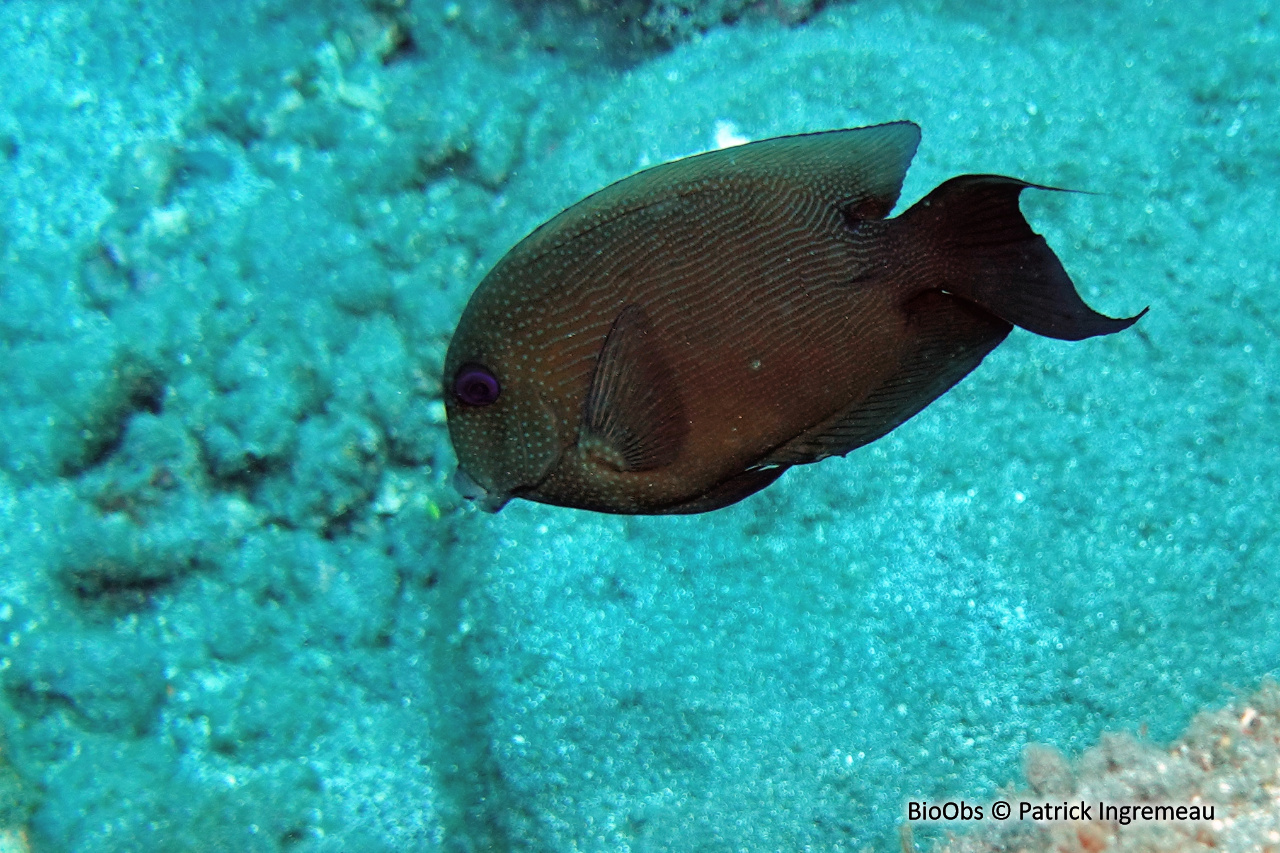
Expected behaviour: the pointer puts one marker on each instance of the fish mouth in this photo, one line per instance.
(528, 475)
(486, 500)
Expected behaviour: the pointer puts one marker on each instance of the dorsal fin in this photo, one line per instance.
(860, 170)
(633, 420)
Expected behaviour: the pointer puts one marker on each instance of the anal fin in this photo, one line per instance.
(950, 338)
(729, 491)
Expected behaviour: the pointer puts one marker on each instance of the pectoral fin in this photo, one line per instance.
(634, 419)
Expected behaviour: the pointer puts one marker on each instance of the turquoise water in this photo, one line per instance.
(243, 609)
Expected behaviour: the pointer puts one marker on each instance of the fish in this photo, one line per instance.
(678, 340)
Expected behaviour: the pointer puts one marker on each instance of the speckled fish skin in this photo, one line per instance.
(676, 341)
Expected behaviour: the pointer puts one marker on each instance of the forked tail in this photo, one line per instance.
(990, 256)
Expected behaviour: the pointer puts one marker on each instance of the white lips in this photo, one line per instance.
(476, 493)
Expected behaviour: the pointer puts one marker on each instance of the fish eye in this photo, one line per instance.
(476, 386)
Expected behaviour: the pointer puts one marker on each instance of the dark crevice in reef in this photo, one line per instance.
(135, 388)
(628, 32)
(102, 591)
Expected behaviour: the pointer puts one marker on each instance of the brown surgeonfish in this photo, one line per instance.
(676, 341)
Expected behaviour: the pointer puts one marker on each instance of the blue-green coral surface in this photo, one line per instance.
(242, 609)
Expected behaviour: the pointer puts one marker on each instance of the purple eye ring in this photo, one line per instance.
(476, 386)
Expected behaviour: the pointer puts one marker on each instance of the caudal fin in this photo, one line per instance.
(991, 257)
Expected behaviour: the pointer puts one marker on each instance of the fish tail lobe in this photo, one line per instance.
(989, 255)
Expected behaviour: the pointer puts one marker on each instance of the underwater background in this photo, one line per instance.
(243, 610)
